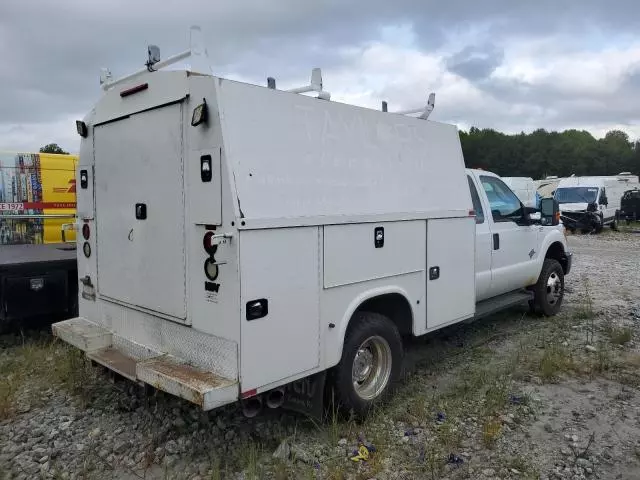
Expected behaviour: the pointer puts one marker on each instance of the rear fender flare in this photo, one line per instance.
(333, 356)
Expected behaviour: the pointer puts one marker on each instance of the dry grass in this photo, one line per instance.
(619, 335)
(38, 365)
(556, 360)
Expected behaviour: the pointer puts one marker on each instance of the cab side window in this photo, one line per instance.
(505, 205)
(475, 198)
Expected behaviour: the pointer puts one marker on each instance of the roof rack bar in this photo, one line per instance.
(424, 111)
(163, 63)
(314, 86)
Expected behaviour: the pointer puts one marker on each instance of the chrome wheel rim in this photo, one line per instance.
(554, 289)
(371, 367)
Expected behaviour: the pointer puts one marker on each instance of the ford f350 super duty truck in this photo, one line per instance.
(239, 239)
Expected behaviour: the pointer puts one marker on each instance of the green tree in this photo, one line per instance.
(542, 153)
(53, 148)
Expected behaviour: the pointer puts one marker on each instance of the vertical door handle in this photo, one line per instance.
(496, 241)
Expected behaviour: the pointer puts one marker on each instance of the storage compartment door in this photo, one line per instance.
(450, 270)
(140, 210)
(279, 278)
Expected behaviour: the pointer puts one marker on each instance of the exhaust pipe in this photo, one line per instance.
(275, 398)
(252, 406)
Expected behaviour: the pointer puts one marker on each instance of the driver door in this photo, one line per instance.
(514, 247)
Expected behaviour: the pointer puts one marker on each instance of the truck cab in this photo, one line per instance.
(512, 244)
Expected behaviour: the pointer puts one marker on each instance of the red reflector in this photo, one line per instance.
(250, 393)
(472, 213)
(132, 90)
(86, 232)
(207, 243)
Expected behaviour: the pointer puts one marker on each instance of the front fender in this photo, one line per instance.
(551, 237)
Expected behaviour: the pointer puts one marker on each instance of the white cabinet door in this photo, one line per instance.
(279, 268)
(450, 270)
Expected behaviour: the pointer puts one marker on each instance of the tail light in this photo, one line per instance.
(86, 231)
(86, 249)
(207, 243)
(211, 269)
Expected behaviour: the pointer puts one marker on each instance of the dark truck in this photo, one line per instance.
(630, 206)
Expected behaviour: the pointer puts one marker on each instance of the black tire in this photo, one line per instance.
(364, 326)
(549, 290)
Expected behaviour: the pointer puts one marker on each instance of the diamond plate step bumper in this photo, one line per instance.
(163, 371)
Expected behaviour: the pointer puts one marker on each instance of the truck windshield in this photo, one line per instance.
(577, 194)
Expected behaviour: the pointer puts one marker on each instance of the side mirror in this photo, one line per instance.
(549, 211)
(531, 215)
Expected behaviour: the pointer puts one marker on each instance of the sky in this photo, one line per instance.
(504, 64)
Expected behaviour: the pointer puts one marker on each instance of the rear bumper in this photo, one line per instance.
(160, 370)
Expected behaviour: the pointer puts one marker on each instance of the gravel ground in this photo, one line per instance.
(513, 396)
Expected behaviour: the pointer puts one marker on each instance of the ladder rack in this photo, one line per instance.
(199, 52)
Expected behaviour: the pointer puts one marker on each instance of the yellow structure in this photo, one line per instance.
(37, 196)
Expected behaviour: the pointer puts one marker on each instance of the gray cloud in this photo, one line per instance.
(52, 51)
(475, 62)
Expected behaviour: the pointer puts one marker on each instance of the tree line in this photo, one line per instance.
(542, 153)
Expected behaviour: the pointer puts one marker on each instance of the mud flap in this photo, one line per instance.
(306, 396)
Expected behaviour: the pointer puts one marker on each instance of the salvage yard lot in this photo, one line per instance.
(511, 396)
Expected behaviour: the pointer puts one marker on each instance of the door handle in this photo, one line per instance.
(496, 241)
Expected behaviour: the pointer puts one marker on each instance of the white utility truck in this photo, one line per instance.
(241, 242)
(591, 203)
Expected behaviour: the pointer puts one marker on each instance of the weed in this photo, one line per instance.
(555, 361)
(619, 335)
(603, 359)
(523, 466)
(449, 436)
(496, 396)
(216, 470)
(8, 389)
(280, 470)
(252, 461)
(491, 431)
(336, 472)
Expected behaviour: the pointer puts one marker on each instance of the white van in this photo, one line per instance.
(239, 242)
(590, 203)
(524, 188)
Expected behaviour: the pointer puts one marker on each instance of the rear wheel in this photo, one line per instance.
(370, 364)
(549, 290)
